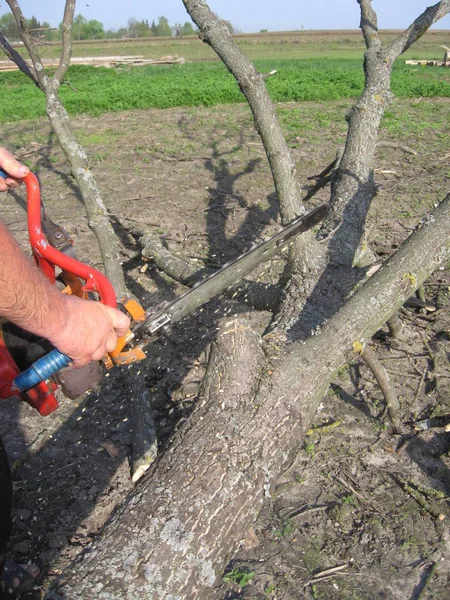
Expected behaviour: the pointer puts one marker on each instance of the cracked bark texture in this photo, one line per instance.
(60, 123)
(172, 537)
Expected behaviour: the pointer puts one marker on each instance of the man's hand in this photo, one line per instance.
(91, 330)
(14, 168)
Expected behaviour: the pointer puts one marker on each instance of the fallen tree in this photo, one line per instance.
(175, 533)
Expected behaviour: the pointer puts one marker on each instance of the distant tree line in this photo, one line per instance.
(94, 30)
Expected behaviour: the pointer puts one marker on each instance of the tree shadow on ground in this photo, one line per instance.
(339, 276)
(69, 479)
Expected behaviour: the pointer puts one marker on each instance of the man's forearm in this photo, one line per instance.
(27, 298)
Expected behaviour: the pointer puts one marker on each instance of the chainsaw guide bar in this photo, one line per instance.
(232, 272)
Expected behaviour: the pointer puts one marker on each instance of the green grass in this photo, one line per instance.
(100, 90)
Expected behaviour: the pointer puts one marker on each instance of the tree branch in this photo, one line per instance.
(13, 55)
(369, 24)
(252, 84)
(181, 524)
(382, 377)
(29, 44)
(416, 30)
(76, 157)
(66, 51)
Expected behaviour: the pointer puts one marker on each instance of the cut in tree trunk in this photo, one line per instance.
(176, 532)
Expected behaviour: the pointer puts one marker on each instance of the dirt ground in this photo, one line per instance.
(362, 513)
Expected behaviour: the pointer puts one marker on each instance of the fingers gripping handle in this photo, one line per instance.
(41, 370)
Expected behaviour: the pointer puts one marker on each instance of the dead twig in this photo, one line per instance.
(327, 573)
(305, 510)
(420, 384)
(395, 145)
(382, 378)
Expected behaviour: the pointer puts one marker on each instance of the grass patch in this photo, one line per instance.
(102, 90)
(241, 576)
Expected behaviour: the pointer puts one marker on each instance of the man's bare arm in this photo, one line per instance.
(83, 329)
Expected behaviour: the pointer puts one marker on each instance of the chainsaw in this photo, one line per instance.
(31, 369)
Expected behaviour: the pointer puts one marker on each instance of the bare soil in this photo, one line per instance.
(362, 513)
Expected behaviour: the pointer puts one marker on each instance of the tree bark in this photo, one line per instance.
(352, 186)
(305, 255)
(214, 32)
(173, 536)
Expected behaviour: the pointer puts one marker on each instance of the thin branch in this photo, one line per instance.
(369, 24)
(395, 145)
(28, 41)
(13, 55)
(66, 51)
(416, 30)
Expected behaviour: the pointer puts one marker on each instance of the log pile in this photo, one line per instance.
(445, 62)
(102, 61)
(429, 63)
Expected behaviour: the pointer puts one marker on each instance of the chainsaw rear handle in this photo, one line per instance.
(41, 370)
(47, 258)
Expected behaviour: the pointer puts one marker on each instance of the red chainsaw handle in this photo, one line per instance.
(48, 257)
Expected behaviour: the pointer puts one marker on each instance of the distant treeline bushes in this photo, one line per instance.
(84, 29)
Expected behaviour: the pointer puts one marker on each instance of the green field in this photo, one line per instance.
(339, 44)
(202, 82)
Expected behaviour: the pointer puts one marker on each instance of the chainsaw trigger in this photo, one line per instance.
(130, 356)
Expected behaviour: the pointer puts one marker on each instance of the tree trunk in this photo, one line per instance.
(178, 529)
(170, 540)
(173, 536)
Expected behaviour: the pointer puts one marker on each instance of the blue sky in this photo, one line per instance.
(245, 15)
